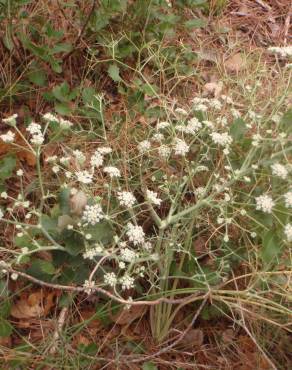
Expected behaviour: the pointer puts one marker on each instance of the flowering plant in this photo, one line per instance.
(129, 217)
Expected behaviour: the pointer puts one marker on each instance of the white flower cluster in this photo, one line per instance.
(110, 279)
(112, 171)
(144, 146)
(279, 170)
(9, 137)
(96, 159)
(84, 177)
(35, 130)
(79, 156)
(92, 214)
(89, 286)
(284, 51)
(223, 139)
(135, 234)
(128, 255)
(288, 199)
(264, 203)
(11, 120)
(64, 124)
(153, 197)
(193, 126)
(126, 199)
(288, 232)
(181, 148)
(162, 125)
(164, 151)
(127, 282)
(92, 252)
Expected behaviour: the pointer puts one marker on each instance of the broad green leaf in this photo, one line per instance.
(149, 366)
(63, 108)
(5, 328)
(61, 92)
(5, 308)
(196, 23)
(61, 48)
(38, 76)
(64, 201)
(114, 72)
(41, 269)
(88, 95)
(271, 248)
(238, 129)
(101, 232)
(7, 166)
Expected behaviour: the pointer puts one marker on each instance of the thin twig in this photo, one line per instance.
(177, 341)
(66, 56)
(60, 324)
(96, 289)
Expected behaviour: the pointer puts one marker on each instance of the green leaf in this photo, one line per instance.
(41, 269)
(5, 308)
(286, 121)
(61, 92)
(114, 72)
(5, 328)
(61, 48)
(238, 129)
(196, 23)
(7, 166)
(102, 232)
(64, 201)
(149, 366)
(63, 108)
(88, 95)
(38, 77)
(271, 248)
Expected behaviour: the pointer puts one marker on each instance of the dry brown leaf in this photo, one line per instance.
(235, 63)
(193, 338)
(127, 316)
(78, 202)
(213, 88)
(22, 154)
(37, 304)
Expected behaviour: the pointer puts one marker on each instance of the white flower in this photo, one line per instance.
(11, 120)
(88, 285)
(153, 198)
(164, 151)
(1, 213)
(14, 276)
(65, 160)
(126, 199)
(127, 282)
(65, 124)
(193, 126)
(288, 199)
(88, 236)
(96, 159)
(264, 203)
(199, 191)
(92, 252)
(256, 139)
(56, 169)
(110, 279)
(9, 137)
(135, 234)
(162, 125)
(279, 170)
(235, 113)
(209, 124)
(84, 177)
(181, 111)
(181, 147)
(52, 158)
(112, 171)
(19, 172)
(288, 232)
(80, 157)
(128, 255)
(104, 150)
(223, 139)
(49, 117)
(92, 214)
(37, 139)
(215, 103)
(282, 51)
(144, 146)
(34, 128)
(4, 195)
(158, 137)
(147, 246)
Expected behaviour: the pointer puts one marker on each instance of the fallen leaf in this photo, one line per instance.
(127, 316)
(235, 63)
(213, 88)
(193, 338)
(37, 304)
(78, 202)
